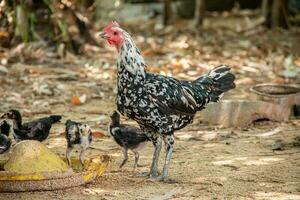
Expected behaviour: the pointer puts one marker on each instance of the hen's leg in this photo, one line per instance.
(153, 171)
(169, 141)
(125, 156)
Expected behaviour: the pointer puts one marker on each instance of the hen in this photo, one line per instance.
(77, 135)
(128, 137)
(35, 130)
(160, 104)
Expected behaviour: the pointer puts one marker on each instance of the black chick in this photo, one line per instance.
(5, 127)
(5, 143)
(77, 135)
(128, 137)
(35, 130)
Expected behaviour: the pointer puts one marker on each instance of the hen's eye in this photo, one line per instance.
(115, 33)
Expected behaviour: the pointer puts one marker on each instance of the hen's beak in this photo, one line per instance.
(103, 35)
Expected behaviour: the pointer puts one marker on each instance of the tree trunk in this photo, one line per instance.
(22, 23)
(264, 8)
(279, 15)
(275, 13)
(285, 14)
(167, 12)
(199, 12)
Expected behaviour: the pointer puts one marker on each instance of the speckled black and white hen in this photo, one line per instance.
(128, 137)
(160, 104)
(38, 129)
(77, 135)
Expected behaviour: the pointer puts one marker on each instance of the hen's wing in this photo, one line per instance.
(188, 97)
(170, 95)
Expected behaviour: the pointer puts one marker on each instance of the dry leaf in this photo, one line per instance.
(98, 134)
(75, 100)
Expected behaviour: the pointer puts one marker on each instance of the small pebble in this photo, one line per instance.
(278, 145)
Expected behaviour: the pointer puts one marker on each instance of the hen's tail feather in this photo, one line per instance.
(219, 80)
(55, 118)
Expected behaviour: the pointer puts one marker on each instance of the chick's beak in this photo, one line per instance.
(4, 116)
(103, 35)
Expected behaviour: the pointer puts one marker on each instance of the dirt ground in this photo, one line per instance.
(212, 163)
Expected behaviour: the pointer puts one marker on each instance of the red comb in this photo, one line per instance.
(113, 23)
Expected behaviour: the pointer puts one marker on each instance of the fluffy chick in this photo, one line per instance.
(128, 137)
(77, 135)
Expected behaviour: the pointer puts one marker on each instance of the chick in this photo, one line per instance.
(5, 127)
(77, 135)
(5, 143)
(128, 137)
(38, 129)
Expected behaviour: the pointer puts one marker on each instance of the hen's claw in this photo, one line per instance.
(143, 174)
(158, 178)
(162, 178)
(147, 174)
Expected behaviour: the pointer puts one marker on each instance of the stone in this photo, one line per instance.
(241, 113)
(3, 70)
(277, 145)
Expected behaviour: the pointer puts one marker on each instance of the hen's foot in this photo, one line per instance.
(147, 174)
(162, 178)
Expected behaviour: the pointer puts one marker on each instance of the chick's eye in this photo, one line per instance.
(115, 33)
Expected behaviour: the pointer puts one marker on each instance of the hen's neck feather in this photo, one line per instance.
(131, 58)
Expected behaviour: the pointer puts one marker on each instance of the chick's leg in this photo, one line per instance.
(125, 156)
(68, 155)
(82, 154)
(136, 158)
